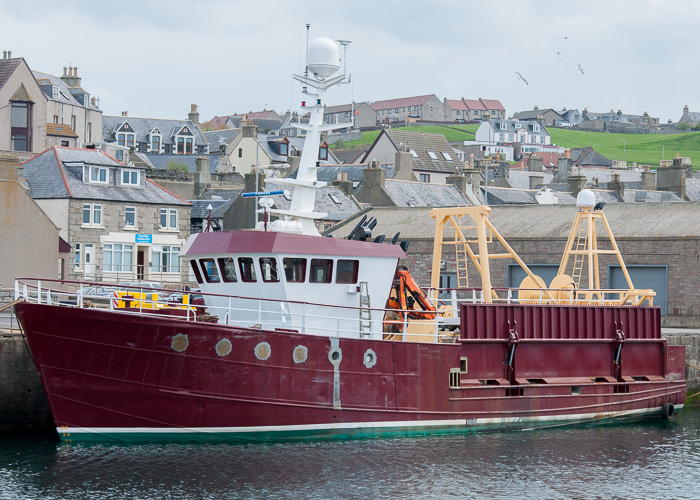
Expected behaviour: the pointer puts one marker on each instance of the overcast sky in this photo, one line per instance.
(155, 58)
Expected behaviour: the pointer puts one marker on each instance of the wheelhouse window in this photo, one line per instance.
(228, 268)
(268, 269)
(118, 257)
(321, 271)
(247, 268)
(168, 218)
(294, 269)
(346, 271)
(211, 272)
(21, 125)
(98, 175)
(195, 270)
(92, 214)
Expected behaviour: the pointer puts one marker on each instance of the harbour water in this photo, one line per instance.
(654, 459)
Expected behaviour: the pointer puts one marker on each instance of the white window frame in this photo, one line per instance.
(503, 126)
(130, 176)
(165, 259)
(95, 174)
(128, 210)
(432, 155)
(446, 156)
(424, 178)
(93, 209)
(168, 213)
(109, 265)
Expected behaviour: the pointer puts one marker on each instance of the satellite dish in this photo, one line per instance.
(324, 57)
(266, 202)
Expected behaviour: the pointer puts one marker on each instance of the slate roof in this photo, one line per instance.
(159, 161)
(66, 95)
(349, 155)
(199, 208)
(549, 160)
(329, 173)
(547, 222)
(604, 175)
(589, 157)
(533, 114)
(401, 102)
(7, 67)
(512, 129)
(421, 143)
(324, 202)
(507, 196)
(520, 179)
(642, 196)
(421, 194)
(225, 194)
(215, 138)
(692, 189)
(57, 173)
(142, 126)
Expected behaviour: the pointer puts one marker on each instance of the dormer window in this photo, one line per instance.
(130, 177)
(284, 149)
(125, 140)
(55, 92)
(98, 175)
(185, 141)
(323, 152)
(154, 140)
(535, 127)
(518, 125)
(503, 125)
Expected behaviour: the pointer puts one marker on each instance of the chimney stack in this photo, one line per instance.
(193, 115)
(125, 113)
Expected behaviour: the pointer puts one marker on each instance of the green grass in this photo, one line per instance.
(457, 132)
(646, 149)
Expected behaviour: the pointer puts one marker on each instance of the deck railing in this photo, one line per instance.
(289, 315)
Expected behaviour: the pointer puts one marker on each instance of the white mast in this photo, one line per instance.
(323, 62)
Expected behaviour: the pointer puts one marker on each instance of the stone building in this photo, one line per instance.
(659, 242)
(120, 225)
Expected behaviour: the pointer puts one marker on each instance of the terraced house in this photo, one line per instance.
(120, 225)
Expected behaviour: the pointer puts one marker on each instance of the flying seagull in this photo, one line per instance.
(578, 67)
(522, 78)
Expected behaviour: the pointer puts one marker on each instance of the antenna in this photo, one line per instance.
(306, 67)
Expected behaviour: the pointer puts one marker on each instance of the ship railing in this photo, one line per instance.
(264, 313)
(453, 297)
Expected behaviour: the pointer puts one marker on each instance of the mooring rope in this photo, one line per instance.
(692, 365)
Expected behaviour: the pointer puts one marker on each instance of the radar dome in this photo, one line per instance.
(324, 57)
(585, 199)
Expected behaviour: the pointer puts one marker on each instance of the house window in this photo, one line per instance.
(323, 153)
(321, 271)
(396, 110)
(98, 175)
(55, 118)
(180, 145)
(510, 137)
(414, 154)
(118, 257)
(168, 218)
(21, 124)
(129, 140)
(446, 156)
(424, 177)
(89, 132)
(390, 111)
(268, 268)
(535, 127)
(284, 148)
(432, 155)
(130, 217)
(130, 177)
(119, 155)
(77, 255)
(121, 139)
(72, 122)
(166, 259)
(155, 143)
(294, 269)
(240, 152)
(503, 125)
(334, 199)
(65, 144)
(92, 214)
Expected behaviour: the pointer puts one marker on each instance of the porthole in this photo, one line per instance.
(300, 354)
(262, 351)
(179, 342)
(335, 356)
(223, 347)
(370, 358)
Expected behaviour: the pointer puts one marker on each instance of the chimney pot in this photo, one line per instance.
(75, 71)
(9, 54)
(4, 54)
(65, 71)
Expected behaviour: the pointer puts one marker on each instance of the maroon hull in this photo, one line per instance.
(105, 370)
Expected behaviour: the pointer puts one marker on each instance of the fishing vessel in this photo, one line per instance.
(304, 336)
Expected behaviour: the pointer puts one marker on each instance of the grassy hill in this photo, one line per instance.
(646, 149)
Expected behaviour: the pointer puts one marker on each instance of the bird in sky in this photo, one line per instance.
(578, 67)
(522, 78)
